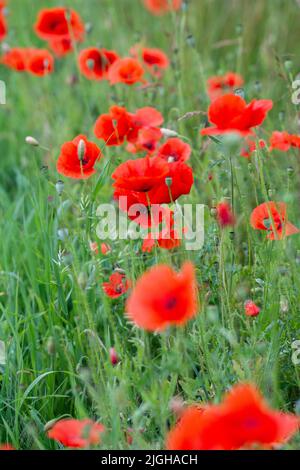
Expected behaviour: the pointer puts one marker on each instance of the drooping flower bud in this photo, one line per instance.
(32, 141)
(168, 132)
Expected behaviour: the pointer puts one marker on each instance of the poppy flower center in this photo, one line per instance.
(171, 303)
(269, 223)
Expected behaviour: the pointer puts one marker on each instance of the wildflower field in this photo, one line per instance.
(149, 224)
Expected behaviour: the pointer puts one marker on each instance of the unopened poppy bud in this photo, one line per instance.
(281, 116)
(114, 359)
(59, 186)
(213, 211)
(50, 424)
(82, 280)
(81, 149)
(88, 28)
(5, 47)
(62, 233)
(271, 192)
(177, 406)
(190, 40)
(240, 92)
(297, 407)
(32, 141)
(239, 29)
(288, 65)
(168, 132)
(284, 304)
(290, 170)
(50, 346)
(257, 86)
(168, 181)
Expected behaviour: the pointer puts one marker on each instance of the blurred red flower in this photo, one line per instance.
(283, 141)
(40, 62)
(242, 420)
(77, 158)
(6, 447)
(159, 7)
(221, 84)
(147, 140)
(174, 150)
(104, 247)
(3, 26)
(15, 58)
(230, 113)
(61, 47)
(114, 126)
(162, 297)
(94, 63)
(251, 309)
(59, 23)
(76, 433)
(146, 117)
(272, 217)
(225, 216)
(250, 146)
(126, 70)
(154, 59)
(117, 285)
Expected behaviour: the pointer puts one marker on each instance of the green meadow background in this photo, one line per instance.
(55, 322)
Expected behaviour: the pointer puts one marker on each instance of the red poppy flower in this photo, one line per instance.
(117, 285)
(76, 433)
(162, 297)
(160, 7)
(166, 239)
(179, 181)
(154, 59)
(143, 118)
(220, 84)
(61, 47)
(141, 176)
(251, 146)
(3, 27)
(126, 70)
(77, 158)
(271, 216)
(251, 309)
(59, 23)
(174, 150)
(225, 216)
(40, 62)
(105, 248)
(230, 113)
(113, 127)
(6, 447)
(147, 140)
(243, 420)
(283, 141)
(94, 63)
(15, 58)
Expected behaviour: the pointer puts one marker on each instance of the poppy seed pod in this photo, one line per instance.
(32, 141)
(59, 186)
(168, 181)
(81, 149)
